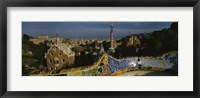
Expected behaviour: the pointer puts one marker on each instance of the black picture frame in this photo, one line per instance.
(98, 3)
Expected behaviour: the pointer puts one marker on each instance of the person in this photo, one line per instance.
(139, 63)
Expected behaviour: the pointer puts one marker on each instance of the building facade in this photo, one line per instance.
(59, 56)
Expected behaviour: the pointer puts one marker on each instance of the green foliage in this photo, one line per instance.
(76, 50)
(84, 59)
(26, 37)
(158, 46)
(29, 61)
(149, 68)
(125, 51)
(38, 52)
(174, 26)
(106, 45)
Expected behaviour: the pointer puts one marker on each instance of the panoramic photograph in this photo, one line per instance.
(100, 48)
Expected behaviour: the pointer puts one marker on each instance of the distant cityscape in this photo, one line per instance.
(134, 54)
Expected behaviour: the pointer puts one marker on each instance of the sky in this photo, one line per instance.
(90, 29)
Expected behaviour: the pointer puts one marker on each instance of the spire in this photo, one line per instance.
(111, 28)
(111, 38)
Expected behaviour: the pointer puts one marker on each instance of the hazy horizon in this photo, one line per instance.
(90, 29)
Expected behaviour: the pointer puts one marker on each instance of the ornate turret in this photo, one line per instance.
(111, 39)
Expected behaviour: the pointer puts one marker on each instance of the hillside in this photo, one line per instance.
(154, 43)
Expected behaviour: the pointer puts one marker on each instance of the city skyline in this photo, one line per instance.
(90, 29)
